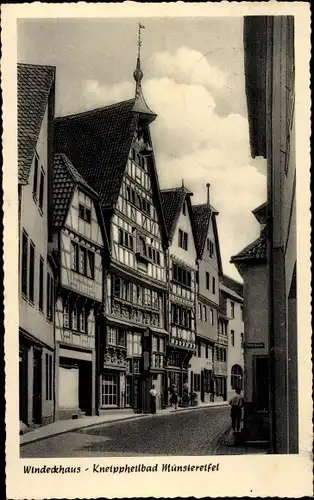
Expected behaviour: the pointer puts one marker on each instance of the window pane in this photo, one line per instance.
(41, 189)
(24, 263)
(74, 255)
(82, 260)
(31, 270)
(35, 181)
(48, 298)
(90, 264)
(41, 284)
(66, 314)
(74, 318)
(82, 320)
(81, 211)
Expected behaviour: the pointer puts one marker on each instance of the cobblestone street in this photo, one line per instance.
(185, 433)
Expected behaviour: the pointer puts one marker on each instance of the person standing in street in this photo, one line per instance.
(174, 397)
(236, 404)
(153, 397)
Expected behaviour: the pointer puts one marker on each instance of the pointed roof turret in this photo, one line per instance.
(140, 105)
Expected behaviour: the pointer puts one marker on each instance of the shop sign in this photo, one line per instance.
(254, 345)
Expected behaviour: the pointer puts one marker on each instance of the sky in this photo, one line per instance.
(193, 80)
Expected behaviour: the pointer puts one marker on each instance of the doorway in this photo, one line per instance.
(137, 394)
(202, 386)
(85, 387)
(23, 384)
(37, 386)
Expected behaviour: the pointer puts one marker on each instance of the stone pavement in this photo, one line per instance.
(63, 426)
(230, 444)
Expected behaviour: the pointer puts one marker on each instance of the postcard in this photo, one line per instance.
(157, 249)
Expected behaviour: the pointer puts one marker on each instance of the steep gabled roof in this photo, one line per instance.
(202, 215)
(34, 84)
(254, 252)
(201, 219)
(98, 143)
(65, 179)
(172, 202)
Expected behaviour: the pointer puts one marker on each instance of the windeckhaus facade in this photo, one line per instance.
(36, 88)
(115, 156)
(209, 271)
(182, 286)
(81, 249)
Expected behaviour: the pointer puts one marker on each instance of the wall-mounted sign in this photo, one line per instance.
(254, 345)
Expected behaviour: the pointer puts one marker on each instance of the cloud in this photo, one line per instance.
(188, 66)
(193, 142)
(95, 92)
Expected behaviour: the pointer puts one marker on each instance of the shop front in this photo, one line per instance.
(177, 369)
(76, 383)
(36, 376)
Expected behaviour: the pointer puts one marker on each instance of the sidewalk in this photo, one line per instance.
(63, 426)
(230, 444)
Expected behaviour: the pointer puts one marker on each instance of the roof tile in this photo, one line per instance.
(254, 251)
(172, 201)
(201, 218)
(65, 178)
(33, 87)
(98, 142)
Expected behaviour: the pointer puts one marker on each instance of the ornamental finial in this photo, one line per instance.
(138, 73)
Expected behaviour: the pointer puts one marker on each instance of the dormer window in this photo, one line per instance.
(142, 246)
(85, 213)
(210, 247)
(41, 189)
(35, 180)
(183, 239)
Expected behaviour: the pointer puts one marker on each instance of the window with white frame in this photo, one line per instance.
(183, 239)
(83, 320)
(161, 344)
(74, 318)
(205, 313)
(212, 321)
(83, 260)
(66, 319)
(109, 390)
(232, 337)
(129, 344)
(232, 309)
(137, 344)
(155, 343)
(136, 366)
(112, 336)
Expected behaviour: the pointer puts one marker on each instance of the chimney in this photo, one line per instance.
(208, 198)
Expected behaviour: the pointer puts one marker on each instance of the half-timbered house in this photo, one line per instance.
(209, 272)
(36, 97)
(80, 246)
(182, 284)
(111, 148)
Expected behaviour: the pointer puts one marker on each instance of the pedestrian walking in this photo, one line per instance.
(153, 397)
(236, 404)
(174, 397)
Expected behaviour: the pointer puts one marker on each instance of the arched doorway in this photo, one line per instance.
(236, 377)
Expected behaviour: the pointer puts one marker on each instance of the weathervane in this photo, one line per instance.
(139, 41)
(138, 73)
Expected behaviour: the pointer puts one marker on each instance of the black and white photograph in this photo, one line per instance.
(158, 214)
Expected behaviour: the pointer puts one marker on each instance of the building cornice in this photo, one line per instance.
(207, 301)
(129, 273)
